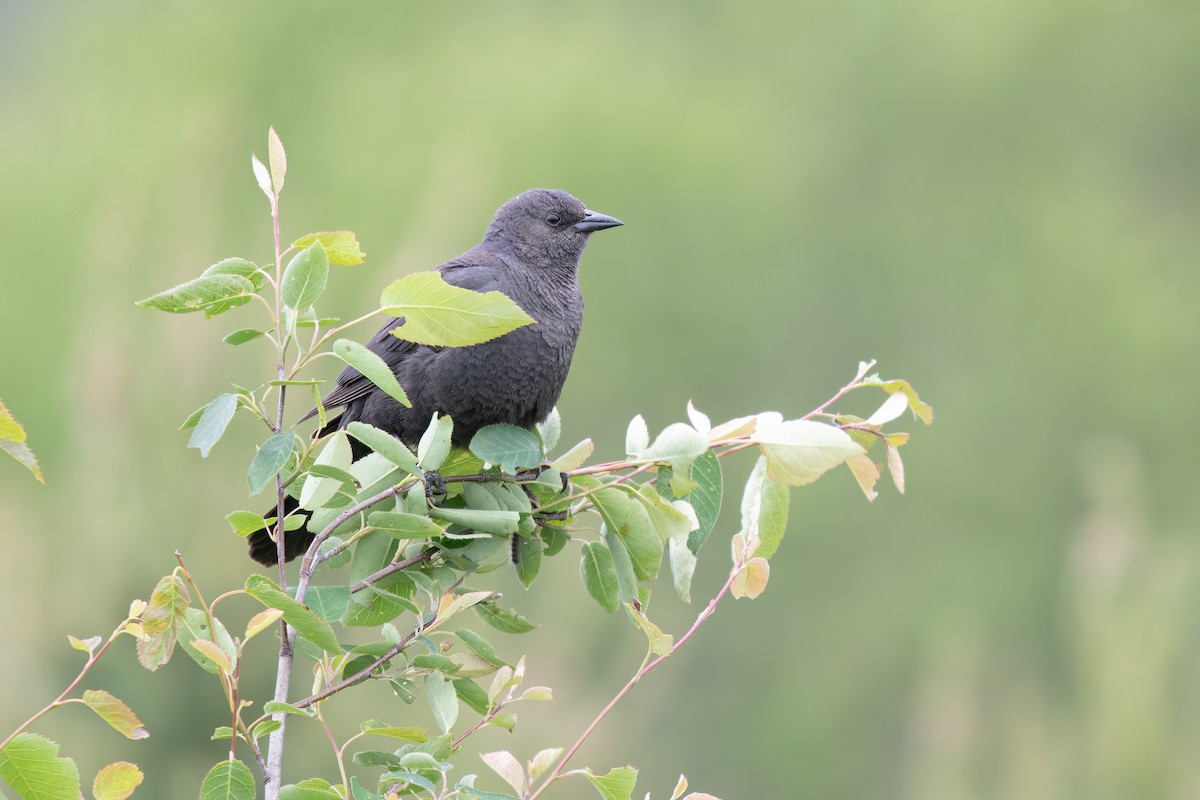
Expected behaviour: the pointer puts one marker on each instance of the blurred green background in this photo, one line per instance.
(999, 200)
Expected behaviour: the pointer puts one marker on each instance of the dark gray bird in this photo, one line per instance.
(531, 254)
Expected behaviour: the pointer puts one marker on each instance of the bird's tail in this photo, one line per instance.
(262, 546)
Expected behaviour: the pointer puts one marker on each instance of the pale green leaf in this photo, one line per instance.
(507, 446)
(442, 699)
(751, 579)
(277, 158)
(243, 335)
(385, 445)
(575, 457)
(193, 628)
(263, 177)
(318, 491)
(550, 429)
(683, 566)
(800, 451)
(212, 423)
(865, 471)
(544, 760)
(505, 764)
(764, 510)
(677, 441)
(637, 437)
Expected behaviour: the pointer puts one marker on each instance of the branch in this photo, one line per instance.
(641, 673)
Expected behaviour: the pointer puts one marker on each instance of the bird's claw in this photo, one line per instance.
(435, 487)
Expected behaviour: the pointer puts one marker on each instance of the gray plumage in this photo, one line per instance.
(530, 253)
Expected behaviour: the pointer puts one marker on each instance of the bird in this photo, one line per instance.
(530, 252)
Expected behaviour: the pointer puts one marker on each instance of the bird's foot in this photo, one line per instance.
(435, 488)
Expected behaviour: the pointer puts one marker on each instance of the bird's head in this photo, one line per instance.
(546, 227)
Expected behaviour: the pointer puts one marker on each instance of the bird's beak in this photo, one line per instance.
(595, 221)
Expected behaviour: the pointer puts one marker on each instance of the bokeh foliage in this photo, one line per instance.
(995, 199)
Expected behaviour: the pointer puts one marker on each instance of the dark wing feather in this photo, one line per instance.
(476, 270)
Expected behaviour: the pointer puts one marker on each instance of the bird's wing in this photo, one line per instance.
(479, 272)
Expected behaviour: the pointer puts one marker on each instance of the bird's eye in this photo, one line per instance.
(553, 219)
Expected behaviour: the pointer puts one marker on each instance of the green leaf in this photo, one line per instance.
(480, 647)
(341, 247)
(442, 699)
(31, 766)
(507, 446)
(499, 523)
(599, 575)
(305, 277)
(372, 367)
(115, 713)
(472, 694)
(359, 792)
(298, 615)
(240, 267)
(437, 313)
(764, 509)
(529, 559)
(503, 619)
(160, 621)
(705, 498)
(269, 459)
(622, 566)
(412, 734)
(628, 519)
(329, 602)
(799, 451)
(400, 525)
(385, 445)
(228, 780)
(116, 781)
(544, 760)
(277, 707)
(209, 293)
(618, 784)
(212, 423)
(317, 491)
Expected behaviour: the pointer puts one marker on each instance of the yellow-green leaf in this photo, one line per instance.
(437, 313)
(115, 713)
(116, 781)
